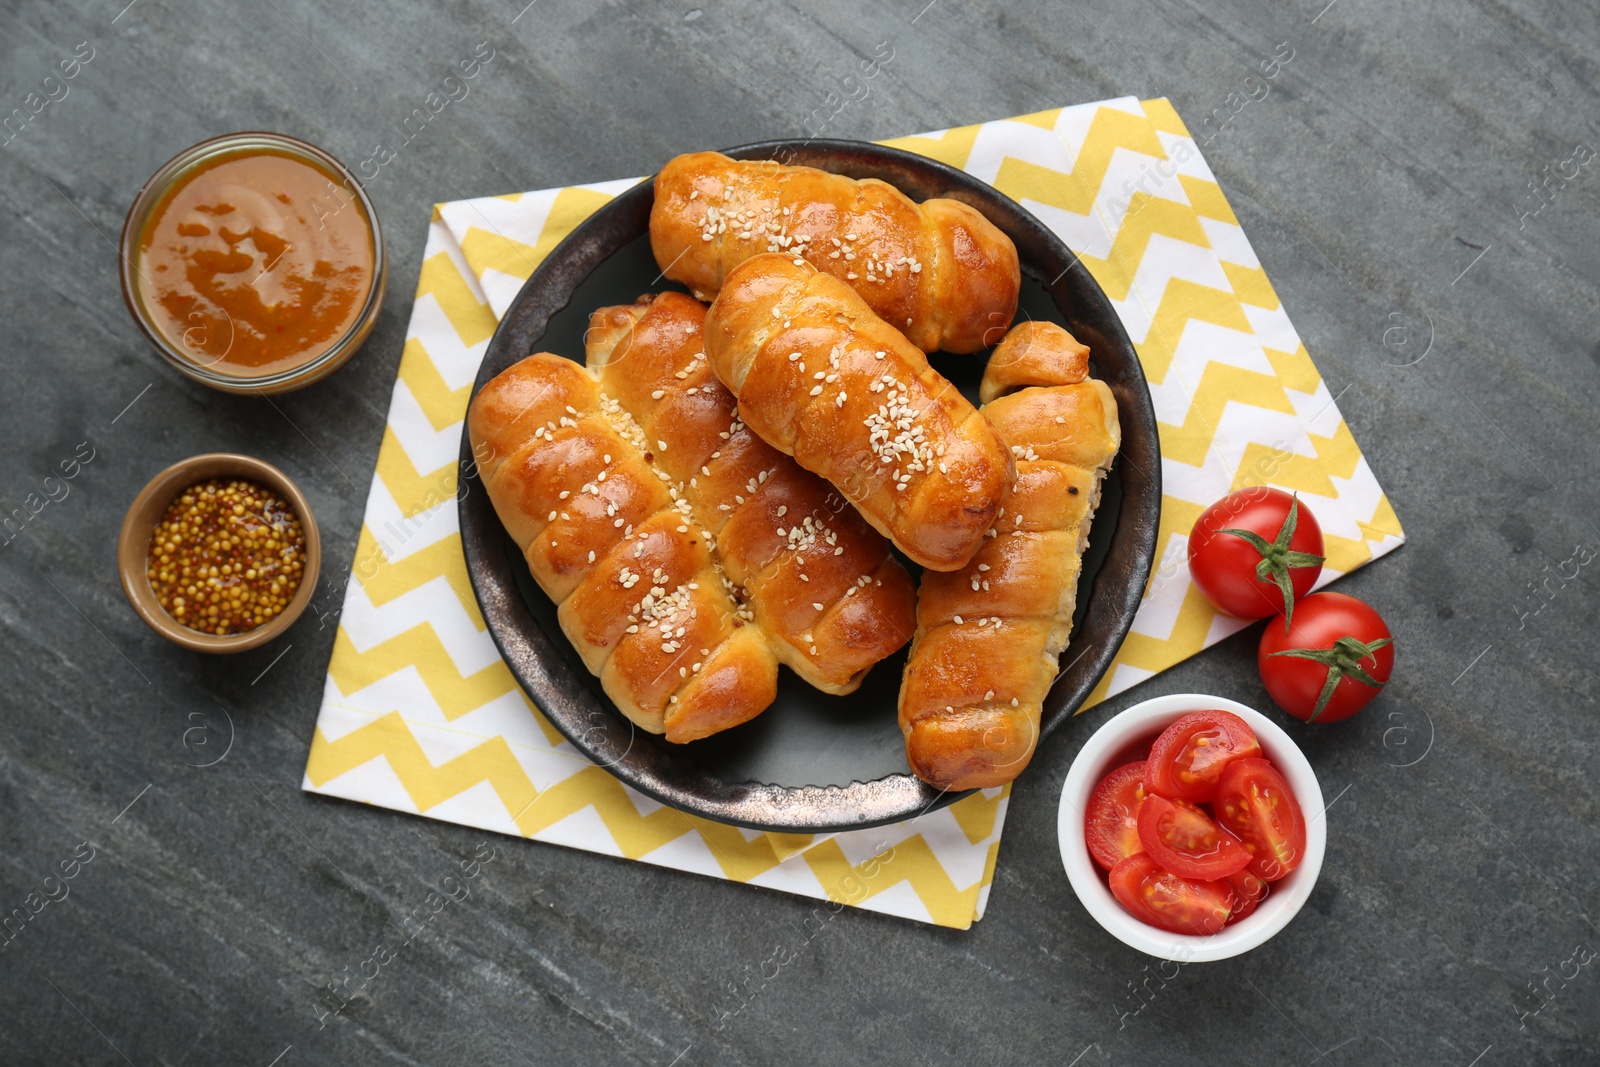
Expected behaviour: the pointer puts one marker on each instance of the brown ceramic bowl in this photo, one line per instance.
(133, 547)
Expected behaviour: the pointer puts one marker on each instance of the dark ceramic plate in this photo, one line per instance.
(812, 762)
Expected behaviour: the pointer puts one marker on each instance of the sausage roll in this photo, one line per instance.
(938, 270)
(989, 636)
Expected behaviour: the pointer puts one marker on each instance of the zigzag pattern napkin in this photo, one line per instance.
(419, 712)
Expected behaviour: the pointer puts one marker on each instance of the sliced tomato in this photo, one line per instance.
(1111, 823)
(1166, 901)
(1185, 840)
(1255, 803)
(1188, 757)
(1249, 889)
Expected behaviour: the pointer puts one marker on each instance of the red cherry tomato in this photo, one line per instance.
(1255, 552)
(1255, 803)
(1111, 821)
(1185, 841)
(1188, 757)
(1336, 656)
(1168, 902)
(1249, 889)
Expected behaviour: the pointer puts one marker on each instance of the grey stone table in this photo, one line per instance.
(1387, 183)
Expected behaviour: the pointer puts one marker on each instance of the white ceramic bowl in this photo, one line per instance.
(1102, 754)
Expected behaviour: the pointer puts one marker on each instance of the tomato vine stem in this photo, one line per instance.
(1277, 559)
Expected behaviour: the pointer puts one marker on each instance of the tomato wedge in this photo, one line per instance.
(1166, 901)
(1255, 802)
(1188, 758)
(1249, 889)
(1185, 841)
(1111, 822)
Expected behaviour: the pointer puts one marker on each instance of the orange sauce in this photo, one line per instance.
(255, 263)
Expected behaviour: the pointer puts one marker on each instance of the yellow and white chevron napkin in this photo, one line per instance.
(420, 714)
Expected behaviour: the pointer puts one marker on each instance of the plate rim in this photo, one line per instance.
(534, 657)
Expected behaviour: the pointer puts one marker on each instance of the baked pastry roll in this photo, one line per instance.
(638, 592)
(819, 582)
(820, 377)
(990, 635)
(939, 271)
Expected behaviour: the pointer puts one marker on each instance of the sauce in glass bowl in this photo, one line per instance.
(254, 263)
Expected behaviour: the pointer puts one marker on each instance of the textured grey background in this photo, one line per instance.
(1380, 182)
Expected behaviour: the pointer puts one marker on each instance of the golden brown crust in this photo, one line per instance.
(1034, 353)
(939, 270)
(635, 584)
(822, 378)
(989, 636)
(820, 583)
